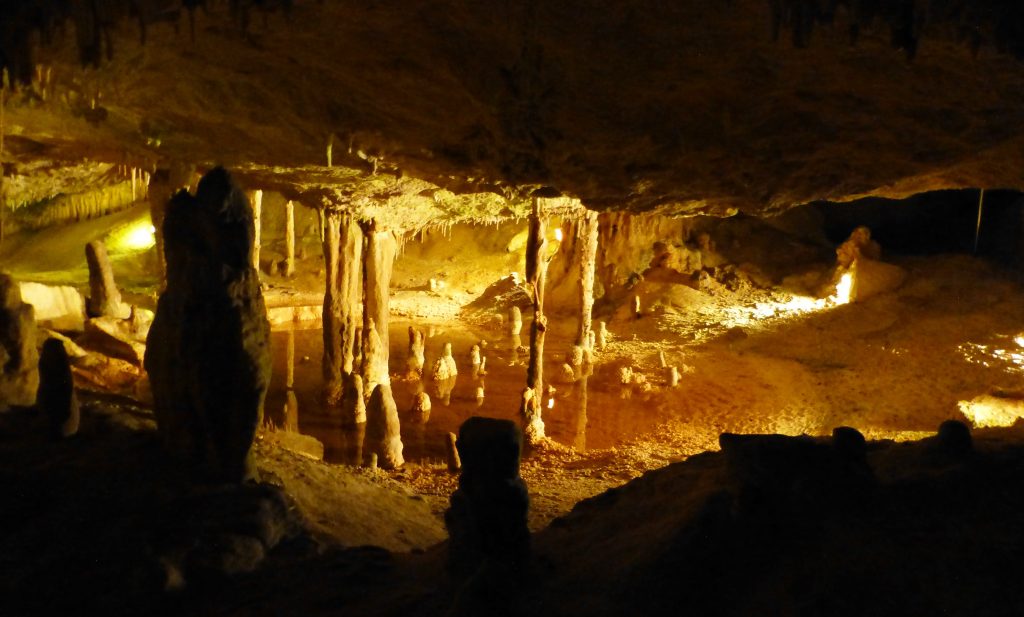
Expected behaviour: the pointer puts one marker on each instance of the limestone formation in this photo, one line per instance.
(19, 358)
(104, 299)
(353, 404)
(474, 358)
(383, 434)
(420, 412)
(452, 453)
(530, 415)
(536, 276)
(414, 363)
(256, 198)
(375, 358)
(588, 235)
(515, 321)
(487, 518)
(289, 239)
(56, 399)
(208, 350)
(444, 367)
(343, 306)
(378, 261)
(602, 335)
(858, 245)
(672, 376)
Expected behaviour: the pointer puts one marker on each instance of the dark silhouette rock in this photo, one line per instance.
(953, 440)
(487, 517)
(56, 399)
(208, 350)
(19, 374)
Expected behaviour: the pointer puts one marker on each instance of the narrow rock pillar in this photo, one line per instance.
(104, 298)
(19, 359)
(256, 197)
(378, 261)
(536, 275)
(343, 307)
(289, 238)
(56, 399)
(587, 244)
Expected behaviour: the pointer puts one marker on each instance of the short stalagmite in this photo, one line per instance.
(515, 321)
(19, 358)
(104, 299)
(208, 350)
(56, 399)
(452, 453)
(420, 412)
(602, 335)
(530, 415)
(487, 517)
(444, 367)
(414, 363)
(383, 433)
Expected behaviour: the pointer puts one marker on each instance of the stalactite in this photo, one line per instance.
(289, 238)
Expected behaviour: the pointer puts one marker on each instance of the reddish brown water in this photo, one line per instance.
(591, 413)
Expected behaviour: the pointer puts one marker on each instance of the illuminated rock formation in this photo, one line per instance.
(383, 433)
(104, 299)
(343, 306)
(56, 399)
(208, 350)
(444, 367)
(19, 374)
(414, 362)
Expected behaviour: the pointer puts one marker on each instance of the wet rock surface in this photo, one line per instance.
(207, 352)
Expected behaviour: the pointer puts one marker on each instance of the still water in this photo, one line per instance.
(592, 413)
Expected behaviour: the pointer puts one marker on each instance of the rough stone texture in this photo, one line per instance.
(444, 367)
(383, 433)
(378, 262)
(104, 298)
(487, 518)
(208, 350)
(56, 398)
(19, 372)
(414, 363)
(114, 337)
(375, 357)
(343, 301)
(56, 307)
(530, 415)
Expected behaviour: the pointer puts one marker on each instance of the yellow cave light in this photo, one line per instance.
(138, 235)
(558, 234)
(844, 289)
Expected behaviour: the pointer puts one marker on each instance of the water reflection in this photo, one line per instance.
(587, 414)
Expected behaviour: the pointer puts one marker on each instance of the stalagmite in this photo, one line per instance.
(452, 453)
(444, 367)
(672, 376)
(515, 321)
(415, 360)
(56, 399)
(343, 306)
(19, 359)
(353, 403)
(256, 197)
(661, 359)
(289, 238)
(104, 299)
(378, 261)
(588, 234)
(487, 518)
(530, 415)
(474, 358)
(383, 434)
(602, 335)
(536, 275)
(420, 412)
(636, 307)
(208, 350)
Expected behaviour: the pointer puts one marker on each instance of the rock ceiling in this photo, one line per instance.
(683, 107)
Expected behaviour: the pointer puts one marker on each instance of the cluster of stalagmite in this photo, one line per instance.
(19, 373)
(208, 350)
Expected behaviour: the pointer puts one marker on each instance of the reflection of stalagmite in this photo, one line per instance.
(256, 197)
(579, 440)
(443, 390)
(420, 412)
(375, 362)
(414, 363)
(343, 308)
(383, 434)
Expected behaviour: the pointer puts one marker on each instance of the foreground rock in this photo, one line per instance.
(208, 350)
(56, 399)
(19, 374)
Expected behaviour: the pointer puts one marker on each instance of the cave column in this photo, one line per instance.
(536, 275)
(343, 315)
(256, 197)
(289, 238)
(587, 243)
(378, 261)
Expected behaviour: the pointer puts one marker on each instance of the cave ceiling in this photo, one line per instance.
(462, 108)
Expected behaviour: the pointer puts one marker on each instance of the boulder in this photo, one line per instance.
(56, 398)
(208, 350)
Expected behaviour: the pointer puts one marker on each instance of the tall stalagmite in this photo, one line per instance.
(104, 298)
(343, 306)
(289, 238)
(19, 359)
(208, 350)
